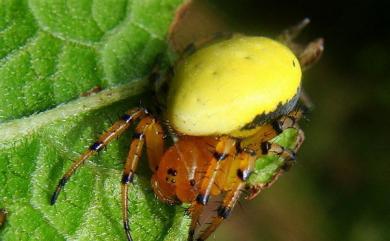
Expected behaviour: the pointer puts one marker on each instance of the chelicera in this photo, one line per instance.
(227, 101)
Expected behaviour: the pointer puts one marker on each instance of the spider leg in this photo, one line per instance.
(149, 131)
(154, 140)
(224, 147)
(287, 121)
(232, 195)
(288, 155)
(300, 139)
(283, 123)
(311, 53)
(114, 131)
(288, 35)
(308, 54)
(307, 57)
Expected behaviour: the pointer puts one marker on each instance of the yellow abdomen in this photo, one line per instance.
(224, 87)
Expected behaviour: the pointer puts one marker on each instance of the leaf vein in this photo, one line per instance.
(118, 27)
(15, 51)
(93, 17)
(143, 27)
(7, 28)
(59, 35)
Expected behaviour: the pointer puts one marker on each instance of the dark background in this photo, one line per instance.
(339, 190)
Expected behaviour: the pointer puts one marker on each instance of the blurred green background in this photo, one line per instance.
(339, 189)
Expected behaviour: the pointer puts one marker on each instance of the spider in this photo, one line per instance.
(226, 104)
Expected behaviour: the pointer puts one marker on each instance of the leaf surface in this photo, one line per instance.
(50, 53)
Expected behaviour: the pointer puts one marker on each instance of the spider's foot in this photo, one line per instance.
(60, 185)
(127, 230)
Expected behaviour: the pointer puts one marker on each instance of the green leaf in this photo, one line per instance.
(50, 53)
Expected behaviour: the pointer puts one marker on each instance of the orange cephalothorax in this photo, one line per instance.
(181, 169)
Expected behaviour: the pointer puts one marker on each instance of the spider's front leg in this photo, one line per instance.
(150, 131)
(113, 132)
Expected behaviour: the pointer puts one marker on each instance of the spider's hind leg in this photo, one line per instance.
(307, 54)
(311, 53)
(288, 35)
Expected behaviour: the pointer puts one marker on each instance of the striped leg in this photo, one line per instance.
(307, 57)
(114, 131)
(288, 155)
(287, 36)
(308, 54)
(233, 195)
(287, 121)
(311, 53)
(224, 147)
(291, 121)
(149, 131)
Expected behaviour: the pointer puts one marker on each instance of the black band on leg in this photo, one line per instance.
(60, 185)
(243, 174)
(265, 146)
(224, 212)
(127, 230)
(127, 178)
(97, 146)
(127, 118)
(137, 135)
(54, 197)
(63, 181)
(219, 156)
(202, 199)
(277, 126)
